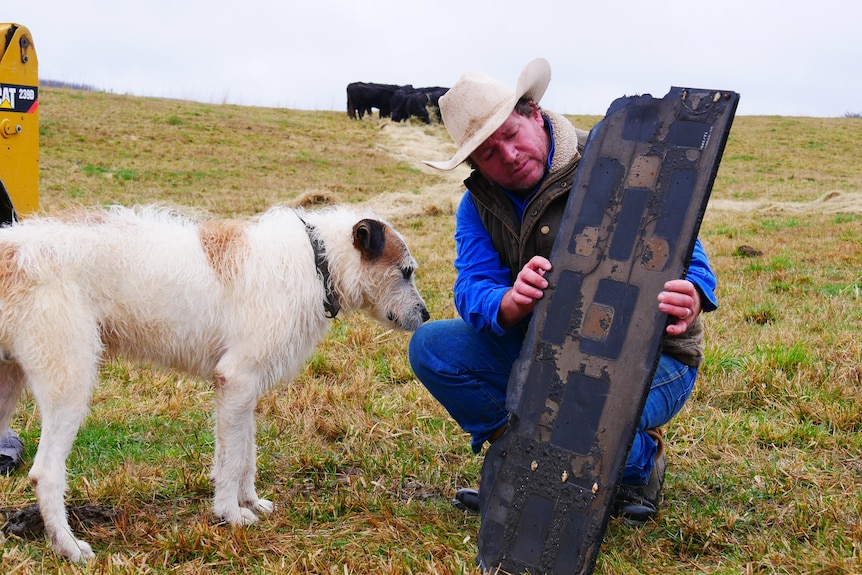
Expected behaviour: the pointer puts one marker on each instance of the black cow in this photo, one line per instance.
(398, 104)
(413, 103)
(363, 96)
(406, 103)
(434, 93)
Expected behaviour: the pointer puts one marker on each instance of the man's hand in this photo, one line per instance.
(521, 298)
(681, 300)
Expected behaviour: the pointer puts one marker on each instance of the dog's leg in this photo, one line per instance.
(61, 417)
(62, 369)
(234, 463)
(247, 495)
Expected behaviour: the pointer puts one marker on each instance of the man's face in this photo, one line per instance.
(516, 154)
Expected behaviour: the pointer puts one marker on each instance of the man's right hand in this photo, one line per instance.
(521, 298)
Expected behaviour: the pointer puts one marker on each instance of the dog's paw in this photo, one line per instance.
(74, 550)
(263, 506)
(236, 515)
(246, 517)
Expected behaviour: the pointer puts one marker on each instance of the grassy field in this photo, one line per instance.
(765, 462)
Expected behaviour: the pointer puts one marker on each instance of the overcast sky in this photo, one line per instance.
(784, 57)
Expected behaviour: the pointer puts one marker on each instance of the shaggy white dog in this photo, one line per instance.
(243, 303)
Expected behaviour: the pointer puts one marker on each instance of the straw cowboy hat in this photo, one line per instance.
(477, 105)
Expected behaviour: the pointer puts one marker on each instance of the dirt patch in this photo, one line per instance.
(411, 144)
(831, 203)
(27, 522)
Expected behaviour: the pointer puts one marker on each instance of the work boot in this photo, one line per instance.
(11, 452)
(637, 504)
(467, 500)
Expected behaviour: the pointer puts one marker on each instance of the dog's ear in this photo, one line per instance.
(369, 238)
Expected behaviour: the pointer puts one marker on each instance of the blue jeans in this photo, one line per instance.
(468, 371)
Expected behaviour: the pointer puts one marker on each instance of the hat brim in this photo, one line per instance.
(532, 84)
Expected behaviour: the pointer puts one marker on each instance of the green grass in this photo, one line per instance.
(765, 461)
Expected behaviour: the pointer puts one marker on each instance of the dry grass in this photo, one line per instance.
(765, 463)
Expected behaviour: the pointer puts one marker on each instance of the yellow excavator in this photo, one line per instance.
(19, 123)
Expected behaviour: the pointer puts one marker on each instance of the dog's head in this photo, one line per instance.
(386, 284)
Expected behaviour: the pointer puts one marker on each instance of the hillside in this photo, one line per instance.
(765, 461)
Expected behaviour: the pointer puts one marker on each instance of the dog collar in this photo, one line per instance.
(330, 302)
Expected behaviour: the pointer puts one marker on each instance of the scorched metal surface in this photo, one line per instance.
(578, 389)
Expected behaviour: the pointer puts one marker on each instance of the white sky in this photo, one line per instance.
(784, 57)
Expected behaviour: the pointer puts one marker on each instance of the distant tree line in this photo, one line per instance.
(71, 85)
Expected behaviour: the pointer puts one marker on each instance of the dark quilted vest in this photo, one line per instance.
(515, 241)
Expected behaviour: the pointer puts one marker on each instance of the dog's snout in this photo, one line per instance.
(410, 321)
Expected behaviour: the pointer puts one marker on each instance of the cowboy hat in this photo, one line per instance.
(477, 105)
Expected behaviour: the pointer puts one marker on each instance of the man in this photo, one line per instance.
(11, 451)
(524, 161)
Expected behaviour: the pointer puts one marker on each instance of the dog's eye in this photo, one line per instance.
(407, 273)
